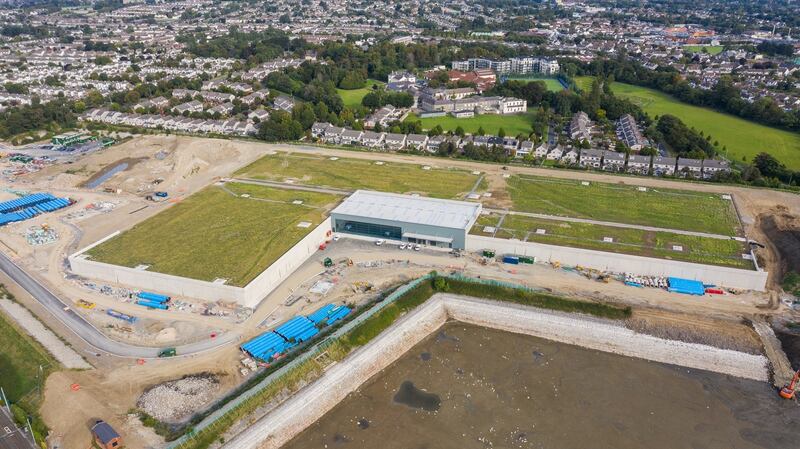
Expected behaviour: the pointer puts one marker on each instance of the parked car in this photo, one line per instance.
(379, 242)
(402, 246)
(417, 248)
(335, 237)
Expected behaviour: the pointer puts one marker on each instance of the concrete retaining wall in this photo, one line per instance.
(310, 404)
(307, 406)
(624, 263)
(249, 295)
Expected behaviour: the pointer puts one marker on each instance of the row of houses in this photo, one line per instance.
(647, 165)
(183, 124)
(589, 158)
(392, 141)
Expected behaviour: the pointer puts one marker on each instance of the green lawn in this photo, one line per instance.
(20, 358)
(512, 124)
(214, 234)
(625, 241)
(552, 84)
(743, 138)
(353, 174)
(584, 83)
(352, 98)
(673, 209)
(710, 49)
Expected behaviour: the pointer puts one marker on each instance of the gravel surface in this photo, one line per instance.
(63, 353)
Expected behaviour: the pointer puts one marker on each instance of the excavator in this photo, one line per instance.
(787, 392)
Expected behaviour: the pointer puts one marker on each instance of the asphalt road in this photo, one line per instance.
(90, 334)
(10, 436)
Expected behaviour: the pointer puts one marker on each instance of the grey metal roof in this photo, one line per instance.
(410, 209)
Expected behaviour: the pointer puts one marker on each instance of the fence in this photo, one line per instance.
(210, 423)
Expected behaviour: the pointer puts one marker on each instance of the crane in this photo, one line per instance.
(787, 392)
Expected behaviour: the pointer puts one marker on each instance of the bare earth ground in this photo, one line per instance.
(189, 164)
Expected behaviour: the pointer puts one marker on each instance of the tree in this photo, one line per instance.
(501, 133)
(481, 132)
(459, 131)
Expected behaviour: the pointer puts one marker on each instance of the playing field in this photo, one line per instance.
(743, 138)
(353, 174)
(352, 98)
(491, 123)
(217, 233)
(671, 209)
(583, 83)
(710, 49)
(625, 241)
(20, 358)
(552, 84)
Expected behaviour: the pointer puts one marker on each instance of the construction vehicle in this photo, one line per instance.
(788, 390)
(86, 304)
(167, 352)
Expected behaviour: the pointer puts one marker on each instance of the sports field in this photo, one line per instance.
(491, 123)
(625, 241)
(20, 358)
(552, 84)
(743, 138)
(352, 98)
(671, 209)
(217, 233)
(353, 174)
(710, 49)
(584, 83)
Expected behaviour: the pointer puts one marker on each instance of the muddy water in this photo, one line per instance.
(470, 387)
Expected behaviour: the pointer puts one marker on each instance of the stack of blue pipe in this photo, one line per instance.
(30, 206)
(153, 300)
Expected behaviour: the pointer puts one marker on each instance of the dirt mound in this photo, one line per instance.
(782, 231)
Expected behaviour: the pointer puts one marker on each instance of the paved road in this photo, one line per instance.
(10, 436)
(90, 334)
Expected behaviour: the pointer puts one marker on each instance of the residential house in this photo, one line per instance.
(613, 161)
(332, 134)
(372, 139)
(525, 148)
(664, 166)
(417, 141)
(591, 158)
(712, 166)
(541, 151)
(318, 129)
(350, 137)
(579, 127)
(284, 103)
(570, 157)
(690, 167)
(260, 114)
(629, 134)
(638, 164)
(394, 141)
(192, 106)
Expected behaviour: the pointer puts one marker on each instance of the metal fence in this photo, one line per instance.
(211, 422)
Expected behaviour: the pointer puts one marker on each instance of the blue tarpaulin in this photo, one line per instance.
(687, 286)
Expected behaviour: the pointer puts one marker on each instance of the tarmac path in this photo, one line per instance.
(90, 334)
(10, 436)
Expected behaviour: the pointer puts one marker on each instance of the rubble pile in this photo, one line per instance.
(176, 400)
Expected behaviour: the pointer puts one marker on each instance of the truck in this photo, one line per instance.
(514, 260)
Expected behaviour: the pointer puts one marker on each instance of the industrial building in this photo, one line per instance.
(413, 219)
